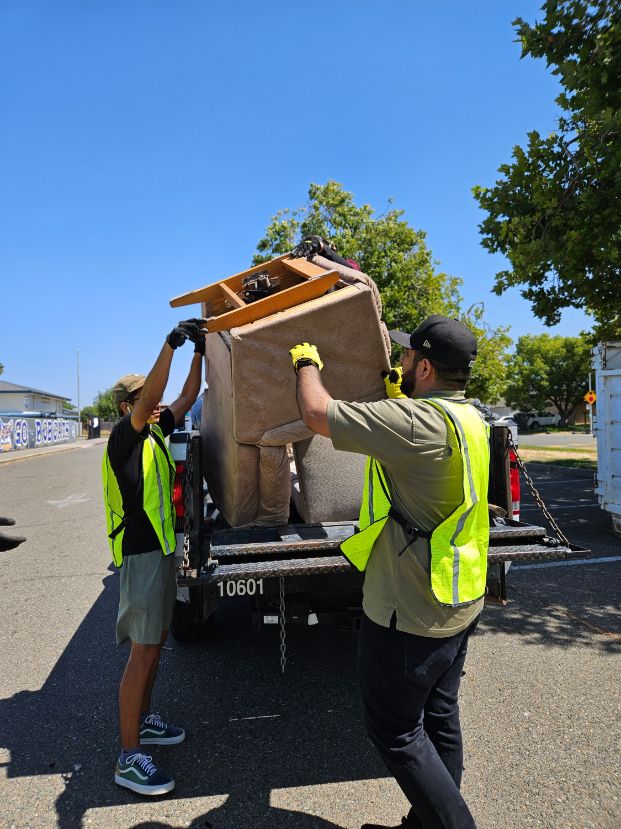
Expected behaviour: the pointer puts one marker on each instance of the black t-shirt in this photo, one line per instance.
(125, 454)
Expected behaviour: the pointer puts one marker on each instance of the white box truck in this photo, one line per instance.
(607, 428)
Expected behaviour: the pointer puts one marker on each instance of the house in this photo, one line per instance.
(25, 400)
(30, 418)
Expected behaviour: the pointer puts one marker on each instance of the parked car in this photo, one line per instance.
(535, 420)
(505, 420)
(509, 421)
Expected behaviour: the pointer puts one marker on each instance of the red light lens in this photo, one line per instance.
(178, 490)
(514, 478)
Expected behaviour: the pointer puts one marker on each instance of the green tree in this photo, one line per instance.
(549, 370)
(556, 210)
(397, 258)
(86, 412)
(105, 406)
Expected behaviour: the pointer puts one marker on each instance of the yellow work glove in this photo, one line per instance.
(303, 352)
(392, 381)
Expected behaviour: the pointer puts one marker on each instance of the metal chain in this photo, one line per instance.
(559, 533)
(283, 644)
(489, 417)
(187, 503)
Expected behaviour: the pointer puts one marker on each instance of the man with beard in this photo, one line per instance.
(424, 533)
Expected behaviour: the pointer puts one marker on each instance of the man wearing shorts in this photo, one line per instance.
(138, 476)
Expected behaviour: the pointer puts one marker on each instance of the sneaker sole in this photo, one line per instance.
(151, 791)
(162, 741)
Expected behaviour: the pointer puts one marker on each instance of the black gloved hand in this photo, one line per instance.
(191, 329)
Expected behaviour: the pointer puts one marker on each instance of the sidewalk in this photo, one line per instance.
(24, 454)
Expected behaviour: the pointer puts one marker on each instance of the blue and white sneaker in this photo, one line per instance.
(138, 773)
(155, 732)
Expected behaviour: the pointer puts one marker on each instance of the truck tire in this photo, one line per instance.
(193, 621)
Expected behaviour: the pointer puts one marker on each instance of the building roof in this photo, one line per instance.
(12, 388)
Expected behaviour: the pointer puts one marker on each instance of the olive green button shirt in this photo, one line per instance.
(423, 465)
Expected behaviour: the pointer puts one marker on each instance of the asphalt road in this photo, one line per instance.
(540, 700)
(567, 439)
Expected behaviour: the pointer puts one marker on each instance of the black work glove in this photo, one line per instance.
(185, 330)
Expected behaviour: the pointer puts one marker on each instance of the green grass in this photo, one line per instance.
(580, 450)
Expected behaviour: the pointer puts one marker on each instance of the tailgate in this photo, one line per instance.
(313, 549)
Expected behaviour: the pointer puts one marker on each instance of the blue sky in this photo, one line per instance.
(144, 147)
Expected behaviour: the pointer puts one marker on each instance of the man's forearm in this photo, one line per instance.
(157, 378)
(192, 384)
(313, 400)
(190, 389)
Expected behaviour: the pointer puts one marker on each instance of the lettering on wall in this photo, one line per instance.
(30, 432)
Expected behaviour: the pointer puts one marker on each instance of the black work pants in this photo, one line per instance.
(409, 686)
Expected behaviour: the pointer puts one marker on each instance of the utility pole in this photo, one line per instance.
(590, 409)
(79, 429)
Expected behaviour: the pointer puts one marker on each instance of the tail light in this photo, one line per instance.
(514, 478)
(178, 490)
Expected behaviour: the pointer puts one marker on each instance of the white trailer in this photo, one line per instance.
(607, 427)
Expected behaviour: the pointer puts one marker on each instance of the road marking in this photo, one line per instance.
(575, 562)
(82, 498)
(262, 717)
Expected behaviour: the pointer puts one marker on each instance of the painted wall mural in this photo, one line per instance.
(30, 432)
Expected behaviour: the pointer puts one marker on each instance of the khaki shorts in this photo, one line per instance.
(147, 597)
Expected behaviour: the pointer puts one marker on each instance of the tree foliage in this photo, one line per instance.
(397, 258)
(104, 405)
(549, 370)
(86, 412)
(556, 210)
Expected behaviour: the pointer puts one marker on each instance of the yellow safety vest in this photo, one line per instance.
(158, 469)
(458, 545)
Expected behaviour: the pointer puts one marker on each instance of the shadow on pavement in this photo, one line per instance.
(250, 730)
(565, 606)
(562, 607)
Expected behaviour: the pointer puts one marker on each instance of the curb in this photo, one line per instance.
(14, 457)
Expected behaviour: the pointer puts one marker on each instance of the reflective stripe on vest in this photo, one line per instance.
(375, 501)
(158, 472)
(458, 545)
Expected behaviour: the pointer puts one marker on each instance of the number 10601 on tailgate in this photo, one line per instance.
(242, 587)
